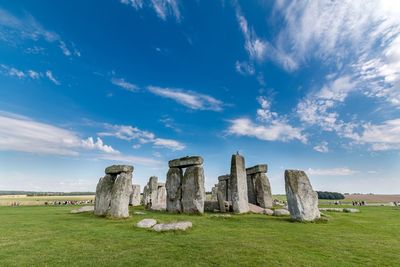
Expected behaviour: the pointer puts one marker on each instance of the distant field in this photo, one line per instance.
(373, 198)
(52, 236)
(24, 200)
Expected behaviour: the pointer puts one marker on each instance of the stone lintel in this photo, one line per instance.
(185, 162)
(261, 168)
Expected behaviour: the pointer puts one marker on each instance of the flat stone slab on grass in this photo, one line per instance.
(255, 209)
(163, 227)
(83, 209)
(221, 215)
(139, 213)
(281, 212)
(262, 168)
(351, 210)
(146, 223)
(268, 212)
(331, 209)
(185, 162)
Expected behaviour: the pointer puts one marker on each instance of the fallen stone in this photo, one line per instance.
(221, 215)
(262, 168)
(281, 212)
(301, 198)
(268, 212)
(83, 209)
(172, 226)
(120, 193)
(255, 209)
(146, 223)
(238, 185)
(173, 187)
(103, 195)
(351, 210)
(331, 209)
(117, 169)
(193, 192)
(139, 213)
(185, 162)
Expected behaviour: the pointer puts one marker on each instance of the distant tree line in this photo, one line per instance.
(33, 193)
(329, 195)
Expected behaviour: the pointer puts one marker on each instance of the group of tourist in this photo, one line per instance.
(68, 202)
(359, 203)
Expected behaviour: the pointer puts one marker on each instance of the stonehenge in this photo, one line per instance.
(185, 188)
(134, 198)
(301, 198)
(113, 192)
(154, 195)
(258, 186)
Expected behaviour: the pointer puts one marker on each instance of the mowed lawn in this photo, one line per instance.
(51, 236)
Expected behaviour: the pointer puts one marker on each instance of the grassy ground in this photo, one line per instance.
(51, 236)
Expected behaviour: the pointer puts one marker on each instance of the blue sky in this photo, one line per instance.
(312, 85)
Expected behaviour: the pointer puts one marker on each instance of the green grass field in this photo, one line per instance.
(51, 236)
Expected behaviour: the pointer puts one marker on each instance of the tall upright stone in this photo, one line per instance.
(214, 191)
(193, 192)
(160, 202)
(120, 195)
(302, 199)
(154, 195)
(238, 185)
(134, 199)
(103, 195)
(185, 189)
(260, 191)
(113, 192)
(174, 190)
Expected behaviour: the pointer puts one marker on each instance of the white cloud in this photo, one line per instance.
(322, 147)
(18, 133)
(130, 133)
(189, 99)
(385, 136)
(50, 76)
(133, 160)
(124, 84)
(273, 127)
(14, 30)
(245, 68)
(33, 74)
(11, 71)
(163, 8)
(332, 172)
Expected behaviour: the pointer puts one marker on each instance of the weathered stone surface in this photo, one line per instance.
(268, 212)
(281, 212)
(221, 202)
(172, 226)
(83, 209)
(224, 177)
(262, 190)
(214, 191)
(221, 215)
(146, 196)
(160, 202)
(146, 223)
(331, 209)
(211, 205)
(185, 162)
(153, 186)
(117, 169)
(139, 213)
(302, 199)
(120, 193)
(174, 190)
(103, 195)
(134, 198)
(261, 168)
(255, 209)
(193, 193)
(238, 185)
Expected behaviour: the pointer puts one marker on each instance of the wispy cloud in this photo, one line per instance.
(272, 126)
(322, 147)
(27, 74)
(50, 76)
(124, 84)
(163, 8)
(130, 133)
(18, 133)
(332, 172)
(189, 99)
(14, 30)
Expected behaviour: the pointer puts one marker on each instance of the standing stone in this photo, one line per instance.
(103, 195)
(238, 185)
(302, 199)
(262, 190)
(160, 202)
(134, 199)
(193, 192)
(120, 195)
(146, 196)
(224, 186)
(221, 201)
(214, 192)
(153, 186)
(251, 193)
(173, 186)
